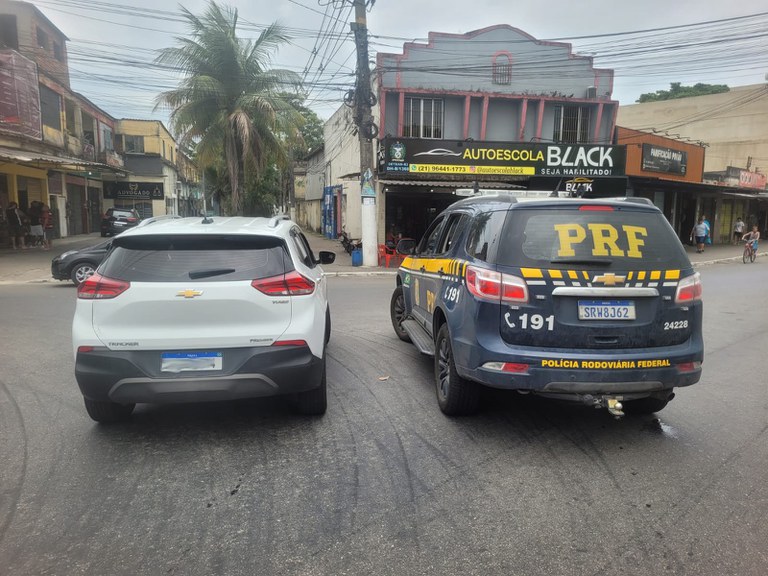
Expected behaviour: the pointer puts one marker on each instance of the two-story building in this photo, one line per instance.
(159, 179)
(55, 144)
(490, 109)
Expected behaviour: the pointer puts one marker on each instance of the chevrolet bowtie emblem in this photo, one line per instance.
(609, 279)
(189, 293)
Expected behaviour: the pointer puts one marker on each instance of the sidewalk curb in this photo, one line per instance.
(723, 260)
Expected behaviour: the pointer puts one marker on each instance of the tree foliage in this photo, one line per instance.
(229, 103)
(676, 90)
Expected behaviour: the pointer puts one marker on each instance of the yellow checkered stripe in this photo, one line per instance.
(584, 277)
(448, 266)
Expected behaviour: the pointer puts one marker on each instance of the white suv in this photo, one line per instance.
(201, 309)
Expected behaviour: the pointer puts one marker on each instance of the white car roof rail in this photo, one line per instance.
(158, 219)
(275, 220)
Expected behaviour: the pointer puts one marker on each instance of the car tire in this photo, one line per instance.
(81, 271)
(647, 405)
(327, 325)
(313, 402)
(397, 314)
(456, 396)
(106, 412)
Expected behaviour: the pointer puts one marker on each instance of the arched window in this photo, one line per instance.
(502, 68)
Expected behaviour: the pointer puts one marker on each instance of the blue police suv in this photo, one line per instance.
(587, 300)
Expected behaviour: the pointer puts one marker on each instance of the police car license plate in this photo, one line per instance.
(606, 310)
(190, 361)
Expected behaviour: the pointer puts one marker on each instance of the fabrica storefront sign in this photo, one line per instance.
(398, 156)
(134, 191)
(658, 159)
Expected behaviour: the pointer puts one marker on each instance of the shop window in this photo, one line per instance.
(9, 35)
(423, 118)
(42, 38)
(50, 108)
(502, 69)
(572, 124)
(133, 144)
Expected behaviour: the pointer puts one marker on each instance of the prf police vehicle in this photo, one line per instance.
(590, 300)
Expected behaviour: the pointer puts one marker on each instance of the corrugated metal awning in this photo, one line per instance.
(40, 160)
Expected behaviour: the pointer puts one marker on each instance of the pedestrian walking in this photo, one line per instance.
(708, 238)
(699, 233)
(16, 226)
(738, 230)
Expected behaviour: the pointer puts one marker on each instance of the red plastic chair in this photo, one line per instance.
(386, 255)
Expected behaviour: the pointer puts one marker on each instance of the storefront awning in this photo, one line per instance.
(759, 196)
(40, 160)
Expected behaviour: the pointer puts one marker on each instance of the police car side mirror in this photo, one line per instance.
(406, 246)
(326, 257)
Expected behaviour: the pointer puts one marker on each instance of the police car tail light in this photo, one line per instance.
(688, 367)
(98, 287)
(509, 367)
(484, 284)
(514, 289)
(291, 284)
(496, 287)
(689, 289)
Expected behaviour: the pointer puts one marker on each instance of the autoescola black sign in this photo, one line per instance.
(401, 156)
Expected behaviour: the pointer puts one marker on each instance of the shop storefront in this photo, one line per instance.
(419, 178)
(147, 198)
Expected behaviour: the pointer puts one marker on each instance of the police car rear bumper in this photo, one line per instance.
(636, 371)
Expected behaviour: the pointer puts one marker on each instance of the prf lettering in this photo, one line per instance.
(604, 238)
(430, 302)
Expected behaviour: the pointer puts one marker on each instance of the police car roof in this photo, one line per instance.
(539, 199)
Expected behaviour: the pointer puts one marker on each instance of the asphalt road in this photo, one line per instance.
(384, 483)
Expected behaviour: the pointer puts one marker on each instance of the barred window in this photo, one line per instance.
(572, 124)
(423, 118)
(502, 69)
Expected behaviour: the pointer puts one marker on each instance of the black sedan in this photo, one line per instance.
(115, 220)
(77, 265)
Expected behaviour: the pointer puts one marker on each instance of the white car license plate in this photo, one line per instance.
(606, 310)
(190, 361)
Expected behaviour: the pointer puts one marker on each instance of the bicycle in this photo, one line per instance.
(749, 254)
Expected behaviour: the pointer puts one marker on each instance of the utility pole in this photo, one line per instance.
(366, 131)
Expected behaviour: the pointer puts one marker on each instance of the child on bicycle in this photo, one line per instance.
(752, 237)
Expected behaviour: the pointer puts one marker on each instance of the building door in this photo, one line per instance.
(94, 204)
(75, 209)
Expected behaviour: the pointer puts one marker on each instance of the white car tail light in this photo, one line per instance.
(689, 289)
(98, 287)
(291, 284)
(496, 287)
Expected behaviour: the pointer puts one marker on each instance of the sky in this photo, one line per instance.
(113, 44)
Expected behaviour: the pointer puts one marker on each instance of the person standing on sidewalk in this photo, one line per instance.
(16, 229)
(699, 233)
(36, 225)
(738, 230)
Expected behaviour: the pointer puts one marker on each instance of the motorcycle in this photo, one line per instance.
(350, 244)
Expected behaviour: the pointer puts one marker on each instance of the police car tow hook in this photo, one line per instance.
(615, 407)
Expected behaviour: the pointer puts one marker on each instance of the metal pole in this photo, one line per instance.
(365, 128)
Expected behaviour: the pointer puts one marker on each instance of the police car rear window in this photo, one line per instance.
(181, 258)
(588, 238)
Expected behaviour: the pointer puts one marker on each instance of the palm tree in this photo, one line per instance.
(229, 102)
